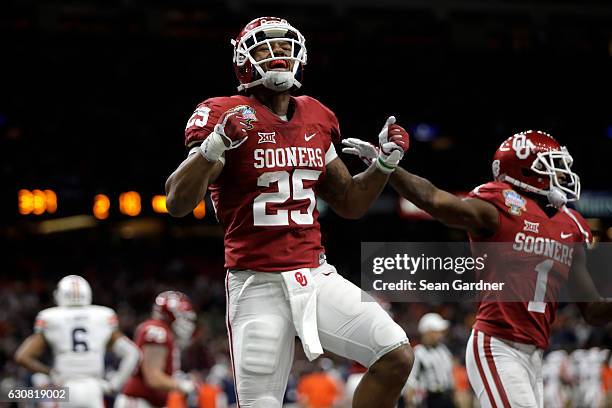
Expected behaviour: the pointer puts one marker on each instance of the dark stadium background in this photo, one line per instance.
(94, 97)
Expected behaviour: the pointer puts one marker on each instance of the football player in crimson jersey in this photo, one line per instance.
(523, 206)
(267, 156)
(160, 338)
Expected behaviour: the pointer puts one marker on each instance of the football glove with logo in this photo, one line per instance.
(393, 142)
(229, 133)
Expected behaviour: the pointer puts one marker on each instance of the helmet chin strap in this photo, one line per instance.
(556, 197)
(278, 80)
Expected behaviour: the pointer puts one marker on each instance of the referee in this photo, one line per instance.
(431, 381)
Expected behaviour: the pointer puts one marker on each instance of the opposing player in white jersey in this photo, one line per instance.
(78, 335)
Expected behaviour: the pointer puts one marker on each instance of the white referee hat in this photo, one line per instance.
(432, 322)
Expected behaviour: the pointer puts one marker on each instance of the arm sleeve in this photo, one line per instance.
(113, 321)
(130, 357)
(202, 121)
(40, 324)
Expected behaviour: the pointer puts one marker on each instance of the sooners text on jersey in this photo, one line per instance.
(265, 196)
(535, 264)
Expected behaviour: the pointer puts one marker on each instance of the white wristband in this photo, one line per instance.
(213, 147)
(388, 163)
(185, 386)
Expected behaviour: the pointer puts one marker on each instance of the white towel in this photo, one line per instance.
(302, 293)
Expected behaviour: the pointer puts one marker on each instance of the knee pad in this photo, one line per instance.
(261, 342)
(267, 402)
(387, 334)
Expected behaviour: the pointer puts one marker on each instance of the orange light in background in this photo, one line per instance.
(159, 204)
(200, 211)
(40, 202)
(101, 206)
(25, 199)
(129, 203)
(51, 201)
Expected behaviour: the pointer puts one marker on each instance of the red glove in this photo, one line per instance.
(399, 136)
(232, 127)
(229, 133)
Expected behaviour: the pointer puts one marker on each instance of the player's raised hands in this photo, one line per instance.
(232, 127)
(366, 151)
(393, 137)
(229, 133)
(393, 141)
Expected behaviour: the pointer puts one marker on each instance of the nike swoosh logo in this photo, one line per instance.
(307, 138)
(564, 235)
(279, 83)
(327, 274)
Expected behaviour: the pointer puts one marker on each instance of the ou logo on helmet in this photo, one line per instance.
(522, 146)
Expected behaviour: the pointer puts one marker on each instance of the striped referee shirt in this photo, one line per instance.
(433, 368)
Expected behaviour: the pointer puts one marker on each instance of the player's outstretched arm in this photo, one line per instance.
(598, 311)
(153, 363)
(477, 216)
(351, 196)
(129, 354)
(27, 355)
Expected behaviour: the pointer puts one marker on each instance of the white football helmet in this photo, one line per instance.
(72, 290)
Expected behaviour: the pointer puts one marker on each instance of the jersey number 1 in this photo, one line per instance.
(260, 217)
(538, 305)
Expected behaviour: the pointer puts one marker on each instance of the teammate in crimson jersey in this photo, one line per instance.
(267, 156)
(525, 207)
(160, 338)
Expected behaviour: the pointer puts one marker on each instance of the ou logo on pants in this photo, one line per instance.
(301, 279)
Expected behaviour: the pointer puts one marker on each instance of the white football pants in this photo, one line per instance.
(262, 333)
(504, 373)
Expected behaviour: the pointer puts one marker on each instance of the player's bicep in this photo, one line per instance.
(153, 358)
(477, 216)
(334, 186)
(32, 347)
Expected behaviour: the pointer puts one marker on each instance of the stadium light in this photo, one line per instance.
(129, 203)
(25, 199)
(51, 201)
(101, 206)
(200, 211)
(158, 202)
(39, 202)
(36, 201)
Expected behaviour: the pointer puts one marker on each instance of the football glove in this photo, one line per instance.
(185, 383)
(107, 387)
(393, 142)
(229, 133)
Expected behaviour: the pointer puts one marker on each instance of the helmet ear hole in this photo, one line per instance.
(528, 173)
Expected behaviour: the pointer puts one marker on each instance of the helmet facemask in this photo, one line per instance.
(268, 33)
(184, 326)
(555, 163)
